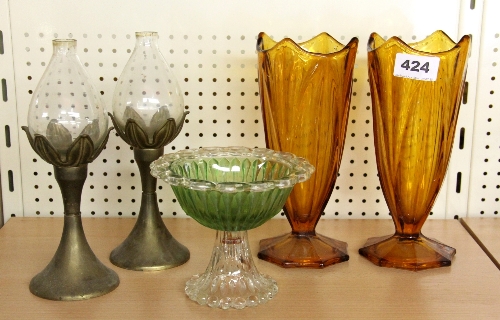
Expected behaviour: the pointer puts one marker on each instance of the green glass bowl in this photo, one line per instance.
(231, 188)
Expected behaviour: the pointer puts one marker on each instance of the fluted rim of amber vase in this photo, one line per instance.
(412, 47)
(301, 46)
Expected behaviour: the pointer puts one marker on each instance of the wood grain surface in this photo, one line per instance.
(356, 289)
(486, 232)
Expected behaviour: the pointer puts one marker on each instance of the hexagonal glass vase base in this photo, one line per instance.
(231, 279)
(298, 250)
(395, 251)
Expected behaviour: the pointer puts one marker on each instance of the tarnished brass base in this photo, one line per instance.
(74, 273)
(149, 246)
(303, 251)
(417, 253)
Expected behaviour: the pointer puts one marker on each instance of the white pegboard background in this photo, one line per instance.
(485, 170)
(210, 46)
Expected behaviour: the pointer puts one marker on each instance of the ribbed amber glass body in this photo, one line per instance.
(305, 93)
(414, 126)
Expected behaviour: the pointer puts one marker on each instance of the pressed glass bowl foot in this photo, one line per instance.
(297, 250)
(407, 253)
(231, 190)
(231, 279)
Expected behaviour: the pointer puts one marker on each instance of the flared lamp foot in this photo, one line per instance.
(149, 246)
(407, 253)
(136, 254)
(297, 250)
(74, 273)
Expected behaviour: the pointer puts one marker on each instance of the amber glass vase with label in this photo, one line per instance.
(305, 91)
(416, 95)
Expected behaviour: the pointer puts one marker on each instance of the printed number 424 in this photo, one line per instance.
(415, 66)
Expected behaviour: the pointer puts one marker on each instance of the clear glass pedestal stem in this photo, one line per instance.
(231, 279)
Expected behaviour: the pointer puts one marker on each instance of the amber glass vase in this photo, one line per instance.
(414, 119)
(305, 91)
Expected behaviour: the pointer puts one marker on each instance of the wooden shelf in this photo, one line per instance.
(356, 289)
(486, 232)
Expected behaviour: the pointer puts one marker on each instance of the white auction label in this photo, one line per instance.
(416, 67)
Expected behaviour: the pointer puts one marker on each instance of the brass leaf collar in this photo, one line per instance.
(81, 151)
(136, 137)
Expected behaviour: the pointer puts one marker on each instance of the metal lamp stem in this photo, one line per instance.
(74, 273)
(143, 158)
(149, 246)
